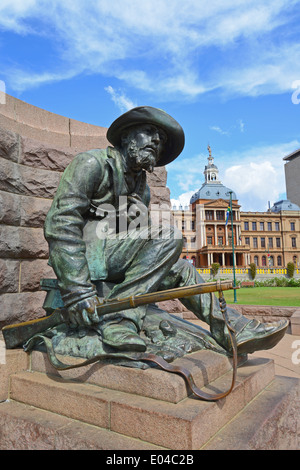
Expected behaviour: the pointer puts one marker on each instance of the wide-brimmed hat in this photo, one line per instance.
(148, 115)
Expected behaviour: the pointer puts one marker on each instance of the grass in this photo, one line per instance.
(278, 296)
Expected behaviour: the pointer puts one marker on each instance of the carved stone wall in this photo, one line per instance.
(35, 148)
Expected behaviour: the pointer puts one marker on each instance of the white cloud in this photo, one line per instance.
(219, 130)
(183, 200)
(168, 42)
(119, 98)
(256, 175)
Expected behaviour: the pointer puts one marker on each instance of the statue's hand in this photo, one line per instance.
(84, 312)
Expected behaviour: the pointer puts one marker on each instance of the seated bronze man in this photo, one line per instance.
(84, 248)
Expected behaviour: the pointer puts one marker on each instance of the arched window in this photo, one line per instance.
(263, 261)
(279, 261)
(271, 261)
(256, 260)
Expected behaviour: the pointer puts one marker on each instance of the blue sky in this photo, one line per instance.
(228, 71)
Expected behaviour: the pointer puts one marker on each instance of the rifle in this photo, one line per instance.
(17, 334)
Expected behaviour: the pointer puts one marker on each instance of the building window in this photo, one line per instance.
(247, 241)
(271, 261)
(192, 225)
(263, 261)
(209, 240)
(293, 226)
(294, 242)
(261, 226)
(184, 241)
(263, 242)
(270, 242)
(254, 227)
(254, 242)
(246, 225)
(277, 226)
(209, 215)
(256, 260)
(279, 262)
(278, 243)
(270, 226)
(220, 215)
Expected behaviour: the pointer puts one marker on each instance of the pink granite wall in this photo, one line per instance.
(35, 148)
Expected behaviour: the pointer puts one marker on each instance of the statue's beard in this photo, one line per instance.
(141, 158)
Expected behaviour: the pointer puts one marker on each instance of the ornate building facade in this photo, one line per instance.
(215, 234)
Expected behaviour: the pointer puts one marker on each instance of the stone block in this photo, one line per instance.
(78, 401)
(10, 211)
(21, 307)
(24, 427)
(32, 271)
(33, 210)
(84, 136)
(39, 155)
(22, 242)
(205, 366)
(158, 177)
(270, 422)
(23, 180)
(40, 119)
(9, 275)
(160, 195)
(185, 425)
(9, 145)
(295, 323)
(12, 361)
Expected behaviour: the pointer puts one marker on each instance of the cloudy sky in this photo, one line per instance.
(228, 71)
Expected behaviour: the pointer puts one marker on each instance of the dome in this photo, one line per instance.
(213, 191)
(284, 205)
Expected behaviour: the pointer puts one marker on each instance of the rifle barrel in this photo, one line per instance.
(17, 334)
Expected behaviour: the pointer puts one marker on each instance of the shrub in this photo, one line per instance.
(290, 269)
(215, 268)
(253, 270)
(293, 282)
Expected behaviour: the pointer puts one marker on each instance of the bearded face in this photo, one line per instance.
(143, 146)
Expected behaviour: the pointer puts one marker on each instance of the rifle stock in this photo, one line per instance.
(17, 334)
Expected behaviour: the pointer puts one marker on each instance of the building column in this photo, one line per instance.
(223, 259)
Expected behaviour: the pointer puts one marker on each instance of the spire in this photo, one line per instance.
(211, 171)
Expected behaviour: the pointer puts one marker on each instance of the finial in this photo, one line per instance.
(209, 150)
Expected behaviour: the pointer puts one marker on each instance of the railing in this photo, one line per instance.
(246, 270)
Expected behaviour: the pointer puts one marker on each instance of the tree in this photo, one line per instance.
(215, 268)
(253, 270)
(290, 269)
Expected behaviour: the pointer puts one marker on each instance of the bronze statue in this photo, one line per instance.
(103, 245)
(84, 249)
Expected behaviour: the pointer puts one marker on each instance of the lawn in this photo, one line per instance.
(279, 296)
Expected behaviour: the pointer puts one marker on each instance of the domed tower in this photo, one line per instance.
(214, 231)
(212, 188)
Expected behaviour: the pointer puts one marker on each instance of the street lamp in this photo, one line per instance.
(232, 240)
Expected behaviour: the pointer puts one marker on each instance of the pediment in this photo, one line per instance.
(219, 204)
